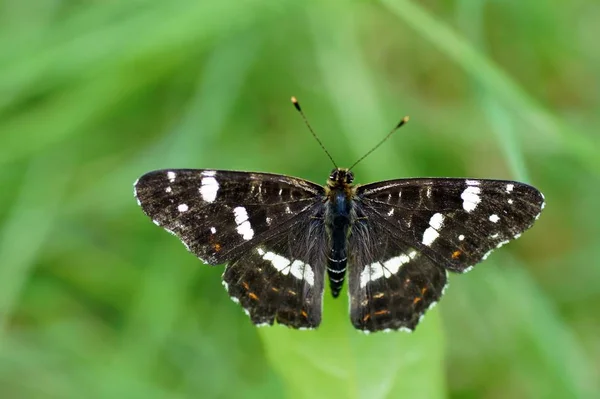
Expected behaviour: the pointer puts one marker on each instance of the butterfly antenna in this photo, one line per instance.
(398, 126)
(297, 105)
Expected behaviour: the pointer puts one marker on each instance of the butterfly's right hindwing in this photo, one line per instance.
(391, 283)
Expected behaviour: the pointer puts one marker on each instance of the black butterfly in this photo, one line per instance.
(278, 235)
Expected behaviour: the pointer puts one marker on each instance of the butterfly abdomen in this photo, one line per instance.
(338, 224)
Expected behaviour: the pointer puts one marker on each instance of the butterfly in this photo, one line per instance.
(281, 237)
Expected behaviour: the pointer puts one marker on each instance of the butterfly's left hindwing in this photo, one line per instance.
(282, 278)
(265, 227)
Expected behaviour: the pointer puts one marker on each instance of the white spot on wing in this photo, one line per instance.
(155, 222)
(461, 237)
(386, 269)
(436, 221)
(241, 219)
(371, 272)
(171, 176)
(431, 233)
(429, 236)
(510, 201)
(213, 230)
(428, 191)
(297, 268)
(301, 270)
(473, 182)
(208, 188)
(240, 215)
(279, 262)
(393, 265)
(209, 173)
(494, 218)
(168, 189)
(470, 198)
(135, 190)
(245, 230)
(182, 208)
(502, 243)
(391, 212)
(509, 187)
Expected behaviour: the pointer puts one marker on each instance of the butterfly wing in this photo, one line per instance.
(411, 231)
(264, 226)
(391, 283)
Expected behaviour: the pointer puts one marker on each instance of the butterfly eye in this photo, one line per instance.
(334, 175)
(349, 177)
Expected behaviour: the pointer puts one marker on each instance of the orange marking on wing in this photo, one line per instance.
(217, 246)
(292, 292)
(417, 300)
(381, 312)
(423, 291)
(253, 296)
(246, 286)
(367, 317)
(275, 289)
(303, 313)
(456, 254)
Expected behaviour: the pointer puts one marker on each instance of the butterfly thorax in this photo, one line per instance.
(338, 215)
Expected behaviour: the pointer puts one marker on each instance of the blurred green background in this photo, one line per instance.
(97, 302)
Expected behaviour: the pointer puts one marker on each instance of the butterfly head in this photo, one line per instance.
(340, 177)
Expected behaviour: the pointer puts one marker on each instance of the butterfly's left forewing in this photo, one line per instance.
(409, 232)
(267, 228)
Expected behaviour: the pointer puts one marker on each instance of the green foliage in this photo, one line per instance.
(97, 302)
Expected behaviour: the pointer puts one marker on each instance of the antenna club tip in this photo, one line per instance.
(402, 121)
(295, 102)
